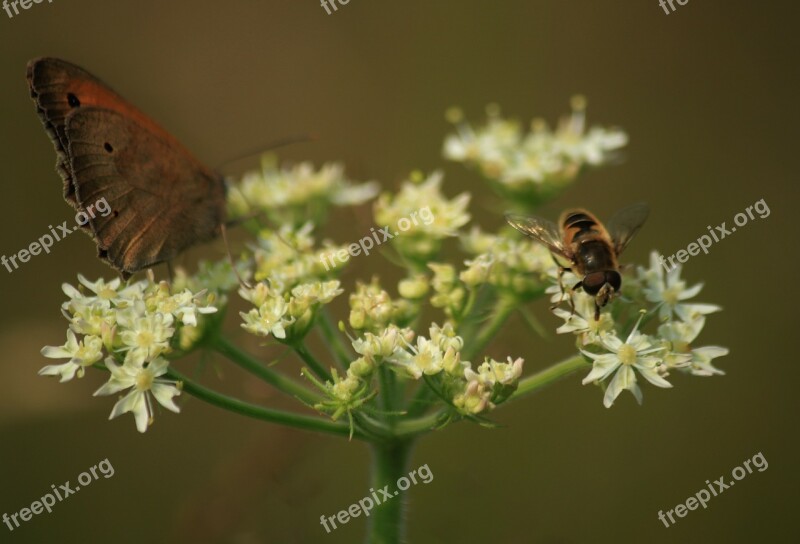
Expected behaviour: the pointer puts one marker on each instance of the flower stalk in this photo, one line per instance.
(390, 462)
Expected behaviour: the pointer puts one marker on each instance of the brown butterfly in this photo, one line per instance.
(163, 200)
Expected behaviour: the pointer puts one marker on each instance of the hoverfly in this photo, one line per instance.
(591, 249)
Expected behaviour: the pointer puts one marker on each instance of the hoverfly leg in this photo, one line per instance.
(571, 299)
(596, 312)
(561, 271)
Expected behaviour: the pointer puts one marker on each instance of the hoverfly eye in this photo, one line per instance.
(614, 279)
(593, 282)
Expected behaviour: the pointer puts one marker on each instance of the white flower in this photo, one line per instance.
(635, 352)
(385, 344)
(355, 194)
(493, 372)
(144, 337)
(446, 216)
(144, 383)
(670, 292)
(581, 321)
(81, 354)
(426, 358)
(269, 318)
(475, 399)
(507, 261)
(372, 308)
(489, 145)
(445, 337)
(89, 319)
(680, 335)
(700, 365)
(561, 293)
(275, 189)
(287, 257)
(187, 307)
(104, 294)
(309, 294)
(183, 306)
(538, 161)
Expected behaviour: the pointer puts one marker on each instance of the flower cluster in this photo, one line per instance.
(373, 309)
(132, 328)
(536, 165)
(286, 314)
(508, 262)
(652, 356)
(436, 359)
(298, 194)
(287, 257)
(423, 241)
(492, 384)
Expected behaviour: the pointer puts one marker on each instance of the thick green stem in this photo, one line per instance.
(388, 520)
(224, 347)
(549, 375)
(386, 395)
(308, 423)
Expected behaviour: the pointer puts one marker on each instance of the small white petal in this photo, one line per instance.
(623, 379)
(652, 376)
(601, 369)
(690, 292)
(165, 394)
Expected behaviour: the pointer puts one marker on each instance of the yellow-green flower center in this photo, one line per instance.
(145, 339)
(681, 346)
(671, 295)
(627, 354)
(107, 293)
(82, 353)
(425, 360)
(144, 380)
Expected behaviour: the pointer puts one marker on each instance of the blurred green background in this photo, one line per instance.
(708, 95)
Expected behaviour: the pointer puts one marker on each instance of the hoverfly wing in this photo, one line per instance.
(624, 225)
(540, 229)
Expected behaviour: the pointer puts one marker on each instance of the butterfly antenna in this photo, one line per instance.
(224, 231)
(283, 142)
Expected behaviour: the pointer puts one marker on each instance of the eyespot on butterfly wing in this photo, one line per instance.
(163, 200)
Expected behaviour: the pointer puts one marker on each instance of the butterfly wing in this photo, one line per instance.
(59, 87)
(161, 200)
